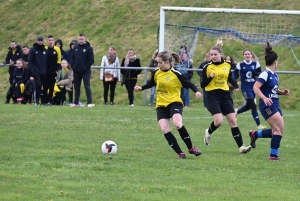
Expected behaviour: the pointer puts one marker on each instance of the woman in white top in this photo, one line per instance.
(110, 76)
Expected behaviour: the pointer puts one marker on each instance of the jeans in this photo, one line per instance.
(185, 96)
(152, 93)
(130, 84)
(78, 77)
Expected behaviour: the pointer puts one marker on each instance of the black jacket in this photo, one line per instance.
(20, 76)
(82, 58)
(131, 73)
(37, 59)
(13, 57)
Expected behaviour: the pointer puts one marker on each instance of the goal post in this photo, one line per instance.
(181, 25)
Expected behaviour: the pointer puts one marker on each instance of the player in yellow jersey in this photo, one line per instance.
(168, 82)
(216, 76)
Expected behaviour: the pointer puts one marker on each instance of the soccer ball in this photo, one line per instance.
(109, 147)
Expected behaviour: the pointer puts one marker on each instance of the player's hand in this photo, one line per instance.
(237, 89)
(268, 101)
(137, 88)
(212, 74)
(286, 92)
(198, 94)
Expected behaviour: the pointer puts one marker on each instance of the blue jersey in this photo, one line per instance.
(270, 85)
(248, 72)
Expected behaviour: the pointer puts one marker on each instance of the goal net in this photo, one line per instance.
(182, 25)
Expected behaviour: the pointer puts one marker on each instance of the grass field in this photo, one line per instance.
(54, 153)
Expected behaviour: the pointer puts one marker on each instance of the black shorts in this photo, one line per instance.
(219, 101)
(169, 111)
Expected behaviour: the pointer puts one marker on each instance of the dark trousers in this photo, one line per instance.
(11, 72)
(13, 92)
(50, 82)
(60, 97)
(39, 82)
(130, 84)
(86, 82)
(29, 91)
(112, 86)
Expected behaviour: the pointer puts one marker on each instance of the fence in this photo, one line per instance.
(146, 69)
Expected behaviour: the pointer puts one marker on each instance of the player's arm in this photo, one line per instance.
(205, 80)
(151, 83)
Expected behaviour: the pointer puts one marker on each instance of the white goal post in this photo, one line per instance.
(279, 35)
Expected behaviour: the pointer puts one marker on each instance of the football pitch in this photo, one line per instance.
(54, 153)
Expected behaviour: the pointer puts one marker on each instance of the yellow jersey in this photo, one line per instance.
(168, 86)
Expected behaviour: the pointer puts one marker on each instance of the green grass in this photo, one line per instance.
(54, 153)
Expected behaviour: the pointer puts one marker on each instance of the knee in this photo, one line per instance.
(165, 129)
(178, 125)
(218, 122)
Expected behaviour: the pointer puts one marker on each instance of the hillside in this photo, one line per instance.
(124, 24)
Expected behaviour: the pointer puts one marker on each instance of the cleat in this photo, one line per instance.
(261, 127)
(244, 150)
(252, 139)
(181, 156)
(207, 137)
(274, 158)
(194, 151)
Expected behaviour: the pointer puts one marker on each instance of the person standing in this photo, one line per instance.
(216, 75)
(68, 57)
(53, 65)
(267, 89)
(14, 53)
(81, 62)
(206, 61)
(169, 82)
(59, 44)
(249, 70)
(153, 64)
(37, 61)
(110, 76)
(130, 76)
(25, 51)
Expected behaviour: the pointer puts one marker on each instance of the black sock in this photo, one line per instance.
(212, 128)
(237, 136)
(185, 137)
(173, 142)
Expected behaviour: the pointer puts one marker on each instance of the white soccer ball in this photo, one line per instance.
(109, 147)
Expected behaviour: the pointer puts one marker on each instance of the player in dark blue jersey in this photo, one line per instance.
(249, 70)
(267, 89)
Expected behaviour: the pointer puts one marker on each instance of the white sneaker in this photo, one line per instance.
(261, 127)
(132, 105)
(91, 105)
(74, 105)
(244, 150)
(207, 137)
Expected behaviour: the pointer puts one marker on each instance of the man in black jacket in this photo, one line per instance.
(37, 62)
(14, 53)
(81, 62)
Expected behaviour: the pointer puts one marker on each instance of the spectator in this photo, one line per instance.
(64, 79)
(185, 64)
(14, 53)
(153, 63)
(110, 76)
(130, 76)
(25, 50)
(81, 61)
(202, 65)
(53, 65)
(234, 72)
(182, 50)
(216, 75)
(20, 76)
(37, 60)
(59, 43)
(169, 104)
(69, 55)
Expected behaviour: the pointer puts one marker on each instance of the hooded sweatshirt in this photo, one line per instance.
(37, 59)
(82, 58)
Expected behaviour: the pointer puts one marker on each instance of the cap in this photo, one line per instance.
(74, 42)
(40, 38)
